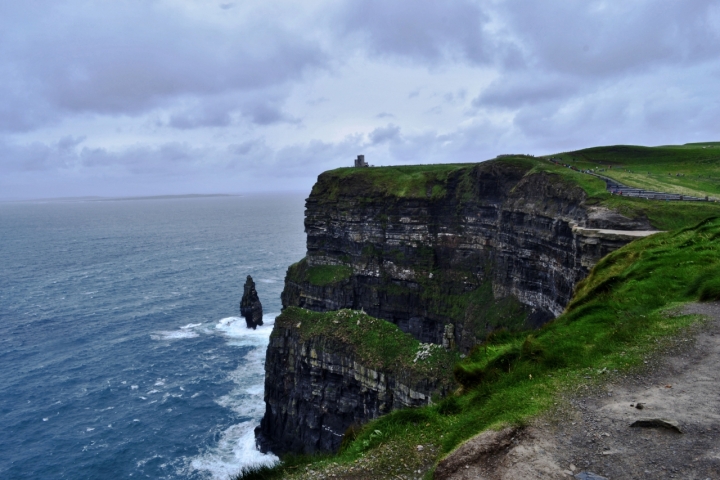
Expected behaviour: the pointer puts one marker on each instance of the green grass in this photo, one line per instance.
(618, 316)
(661, 214)
(700, 166)
(412, 181)
(377, 344)
(691, 169)
(322, 275)
(319, 275)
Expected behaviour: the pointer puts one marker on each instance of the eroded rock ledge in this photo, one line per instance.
(321, 378)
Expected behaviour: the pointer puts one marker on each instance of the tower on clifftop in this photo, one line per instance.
(360, 162)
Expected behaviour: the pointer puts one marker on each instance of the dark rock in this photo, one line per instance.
(250, 306)
(639, 406)
(657, 423)
(316, 389)
(529, 238)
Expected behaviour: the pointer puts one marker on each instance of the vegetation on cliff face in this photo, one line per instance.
(618, 316)
(319, 275)
(377, 344)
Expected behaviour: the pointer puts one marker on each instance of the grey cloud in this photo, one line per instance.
(472, 143)
(266, 113)
(596, 38)
(201, 116)
(128, 57)
(519, 90)
(384, 134)
(384, 115)
(259, 107)
(424, 30)
(315, 156)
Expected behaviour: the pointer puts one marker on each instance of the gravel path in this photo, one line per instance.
(590, 432)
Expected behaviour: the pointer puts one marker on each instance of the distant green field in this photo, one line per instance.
(691, 169)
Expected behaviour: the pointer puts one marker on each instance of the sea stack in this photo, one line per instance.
(250, 306)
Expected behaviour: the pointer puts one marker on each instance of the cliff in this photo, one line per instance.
(478, 247)
(446, 253)
(328, 372)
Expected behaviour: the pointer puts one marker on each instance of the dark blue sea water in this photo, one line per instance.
(121, 349)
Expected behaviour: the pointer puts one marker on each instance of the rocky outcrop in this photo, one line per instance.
(317, 386)
(250, 306)
(420, 261)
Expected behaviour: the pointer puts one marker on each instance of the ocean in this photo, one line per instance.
(122, 351)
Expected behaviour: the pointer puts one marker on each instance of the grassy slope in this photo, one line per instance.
(656, 168)
(662, 215)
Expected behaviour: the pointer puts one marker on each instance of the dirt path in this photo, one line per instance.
(591, 433)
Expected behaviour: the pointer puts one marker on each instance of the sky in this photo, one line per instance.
(158, 97)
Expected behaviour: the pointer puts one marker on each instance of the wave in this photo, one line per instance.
(235, 450)
(236, 329)
(188, 331)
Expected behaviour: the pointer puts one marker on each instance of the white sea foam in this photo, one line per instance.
(236, 329)
(174, 335)
(190, 325)
(235, 450)
(188, 331)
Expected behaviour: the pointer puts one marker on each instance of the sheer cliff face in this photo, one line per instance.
(448, 255)
(418, 261)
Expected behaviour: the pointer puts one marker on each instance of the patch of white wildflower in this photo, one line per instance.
(425, 350)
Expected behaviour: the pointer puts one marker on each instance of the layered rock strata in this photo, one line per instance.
(317, 387)
(472, 249)
(418, 261)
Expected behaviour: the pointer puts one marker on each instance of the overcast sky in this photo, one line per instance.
(149, 97)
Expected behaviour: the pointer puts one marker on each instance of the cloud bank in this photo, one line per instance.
(156, 97)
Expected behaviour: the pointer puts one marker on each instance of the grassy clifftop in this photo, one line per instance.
(692, 169)
(408, 182)
(377, 344)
